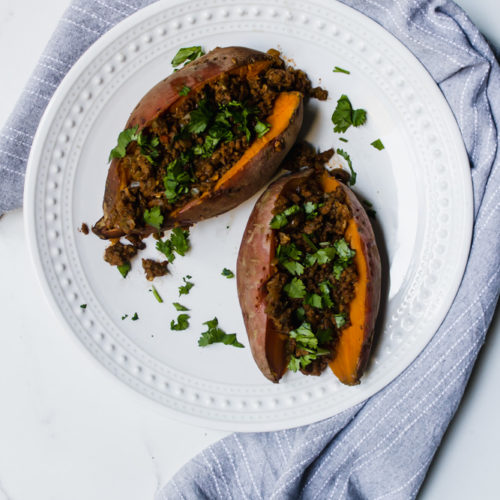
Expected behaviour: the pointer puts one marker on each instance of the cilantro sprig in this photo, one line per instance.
(186, 55)
(344, 115)
(182, 322)
(307, 342)
(214, 335)
(153, 217)
(178, 243)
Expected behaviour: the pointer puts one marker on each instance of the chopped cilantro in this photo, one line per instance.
(358, 117)
(184, 289)
(344, 115)
(124, 269)
(289, 251)
(153, 217)
(187, 54)
(340, 320)
(179, 307)
(227, 273)
(199, 118)
(293, 267)
(165, 247)
(83, 306)
(314, 300)
(135, 317)
(343, 139)
(124, 139)
(324, 287)
(182, 322)
(278, 221)
(184, 90)
(156, 294)
(338, 269)
(322, 256)
(261, 128)
(149, 146)
(215, 335)
(294, 364)
(124, 316)
(377, 144)
(304, 336)
(281, 220)
(295, 289)
(341, 70)
(342, 153)
(344, 251)
(307, 341)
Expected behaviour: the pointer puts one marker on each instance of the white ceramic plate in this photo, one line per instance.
(420, 186)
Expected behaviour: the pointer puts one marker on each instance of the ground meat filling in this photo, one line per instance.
(153, 268)
(328, 279)
(202, 161)
(119, 254)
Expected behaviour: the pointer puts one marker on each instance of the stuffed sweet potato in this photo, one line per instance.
(308, 276)
(202, 141)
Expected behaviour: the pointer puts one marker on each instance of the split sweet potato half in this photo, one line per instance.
(202, 141)
(309, 278)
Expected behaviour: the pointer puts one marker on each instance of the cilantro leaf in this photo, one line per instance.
(314, 300)
(124, 139)
(135, 317)
(153, 217)
(83, 306)
(340, 320)
(177, 180)
(293, 267)
(125, 316)
(338, 269)
(149, 146)
(261, 128)
(358, 117)
(184, 289)
(322, 256)
(304, 336)
(294, 364)
(199, 118)
(341, 70)
(182, 322)
(278, 221)
(344, 251)
(124, 269)
(227, 273)
(377, 144)
(342, 116)
(324, 287)
(342, 153)
(179, 307)
(184, 90)
(289, 251)
(180, 240)
(165, 247)
(187, 54)
(295, 289)
(214, 334)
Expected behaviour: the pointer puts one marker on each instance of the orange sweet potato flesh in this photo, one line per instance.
(355, 342)
(254, 267)
(230, 191)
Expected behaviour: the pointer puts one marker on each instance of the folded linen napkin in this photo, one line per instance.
(382, 447)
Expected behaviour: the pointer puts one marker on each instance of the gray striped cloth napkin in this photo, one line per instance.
(382, 447)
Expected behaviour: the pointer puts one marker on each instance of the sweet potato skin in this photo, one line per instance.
(254, 268)
(160, 98)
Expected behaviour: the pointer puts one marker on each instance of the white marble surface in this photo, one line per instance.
(69, 430)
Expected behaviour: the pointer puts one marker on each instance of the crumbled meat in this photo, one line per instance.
(118, 254)
(153, 268)
(145, 187)
(328, 224)
(84, 229)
